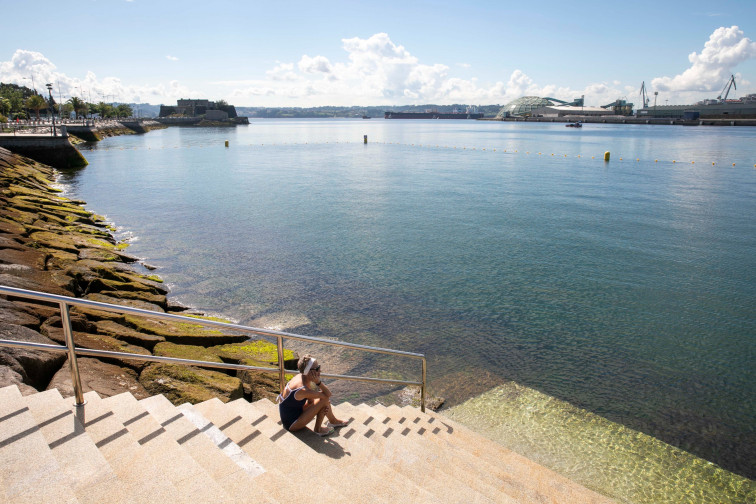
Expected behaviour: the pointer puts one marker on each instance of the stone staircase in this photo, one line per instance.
(120, 450)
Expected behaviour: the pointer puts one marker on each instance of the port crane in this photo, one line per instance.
(644, 95)
(726, 90)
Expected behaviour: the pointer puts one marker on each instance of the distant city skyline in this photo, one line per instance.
(308, 54)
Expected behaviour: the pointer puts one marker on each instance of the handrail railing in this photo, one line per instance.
(65, 302)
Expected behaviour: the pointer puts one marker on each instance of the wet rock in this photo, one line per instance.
(36, 367)
(105, 379)
(181, 384)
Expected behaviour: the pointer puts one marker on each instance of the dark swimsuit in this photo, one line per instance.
(290, 408)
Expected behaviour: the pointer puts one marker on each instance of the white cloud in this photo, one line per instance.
(282, 72)
(27, 65)
(710, 70)
(172, 58)
(318, 64)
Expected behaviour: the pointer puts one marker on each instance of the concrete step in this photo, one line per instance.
(29, 472)
(287, 478)
(350, 453)
(355, 479)
(159, 450)
(62, 424)
(530, 481)
(233, 469)
(459, 481)
(140, 479)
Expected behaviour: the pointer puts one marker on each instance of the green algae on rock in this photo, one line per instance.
(180, 384)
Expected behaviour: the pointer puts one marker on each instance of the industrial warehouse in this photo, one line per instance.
(720, 110)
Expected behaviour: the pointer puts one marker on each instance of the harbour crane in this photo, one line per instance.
(726, 90)
(643, 94)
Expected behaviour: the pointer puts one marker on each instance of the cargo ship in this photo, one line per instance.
(470, 113)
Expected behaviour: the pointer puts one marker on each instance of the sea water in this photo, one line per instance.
(506, 252)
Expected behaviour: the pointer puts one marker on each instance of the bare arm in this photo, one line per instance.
(315, 377)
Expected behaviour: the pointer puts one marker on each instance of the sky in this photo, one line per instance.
(292, 53)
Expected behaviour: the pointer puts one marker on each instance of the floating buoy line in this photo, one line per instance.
(602, 157)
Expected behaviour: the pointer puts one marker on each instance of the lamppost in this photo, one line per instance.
(49, 92)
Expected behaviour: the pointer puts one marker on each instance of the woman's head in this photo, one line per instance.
(305, 362)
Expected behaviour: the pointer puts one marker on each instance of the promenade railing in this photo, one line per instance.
(64, 303)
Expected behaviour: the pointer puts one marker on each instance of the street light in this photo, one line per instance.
(49, 92)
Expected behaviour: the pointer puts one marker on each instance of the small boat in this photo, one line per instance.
(366, 117)
(573, 125)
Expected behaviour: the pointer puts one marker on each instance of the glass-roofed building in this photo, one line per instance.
(523, 106)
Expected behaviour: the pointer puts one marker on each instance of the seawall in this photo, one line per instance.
(54, 151)
(629, 120)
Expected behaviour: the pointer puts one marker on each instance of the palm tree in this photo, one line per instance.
(36, 103)
(79, 106)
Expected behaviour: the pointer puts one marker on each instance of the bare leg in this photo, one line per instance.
(331, 416)
(312, 410)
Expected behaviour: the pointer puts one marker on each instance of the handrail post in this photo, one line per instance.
(281, 374)
(74, 365)
(422, 389)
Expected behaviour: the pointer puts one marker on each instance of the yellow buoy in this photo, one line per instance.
(226, 143)
(606, 156)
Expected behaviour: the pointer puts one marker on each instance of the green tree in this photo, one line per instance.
(105, 109)
(5, 106)
(67, 109)
(79, 106)
(124, 110)
(36, 103)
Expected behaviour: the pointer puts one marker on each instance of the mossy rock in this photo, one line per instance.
(11, 227)
(180, 384)
(115, 330)
(183, 333)
(60, 259)
(253, 353)
(261, 385)
(121, 301)
(101, 255)
(101, 342)
(43, 239)
(191, 352)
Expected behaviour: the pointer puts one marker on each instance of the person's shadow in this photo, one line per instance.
(328, 445)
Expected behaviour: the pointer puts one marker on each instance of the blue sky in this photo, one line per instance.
(384, 52)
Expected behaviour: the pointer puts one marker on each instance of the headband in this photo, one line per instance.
(308, 366)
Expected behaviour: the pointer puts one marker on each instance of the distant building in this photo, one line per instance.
(569, 110)
(199, 108)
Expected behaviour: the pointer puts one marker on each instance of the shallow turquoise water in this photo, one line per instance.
(627, 288)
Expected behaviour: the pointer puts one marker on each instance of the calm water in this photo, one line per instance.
(504, 251)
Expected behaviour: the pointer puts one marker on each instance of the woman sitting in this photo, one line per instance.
(306, 397)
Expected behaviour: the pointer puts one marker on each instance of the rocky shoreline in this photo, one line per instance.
(51, 244)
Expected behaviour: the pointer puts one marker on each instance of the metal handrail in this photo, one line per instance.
(65, 302)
